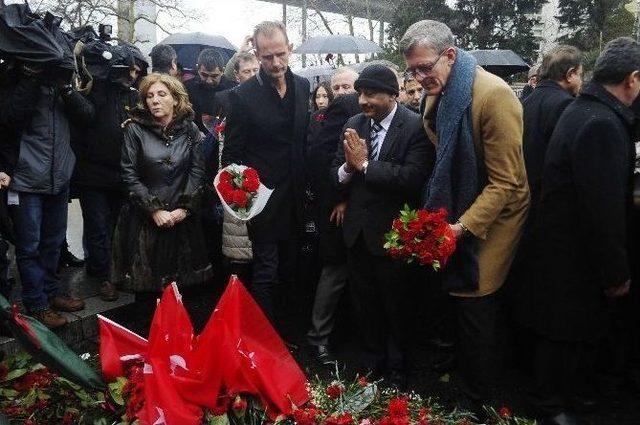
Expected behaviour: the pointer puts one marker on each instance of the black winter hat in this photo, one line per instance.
(378, 77)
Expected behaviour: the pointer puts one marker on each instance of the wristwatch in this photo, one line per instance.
(465, 230)
(365, 164)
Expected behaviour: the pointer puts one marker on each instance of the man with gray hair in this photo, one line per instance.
(342, 81)
(479, 178)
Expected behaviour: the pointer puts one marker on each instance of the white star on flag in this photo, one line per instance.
(160, 420)
(248, 355)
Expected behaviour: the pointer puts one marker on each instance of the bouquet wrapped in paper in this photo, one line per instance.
(241, 192)
(422, 236)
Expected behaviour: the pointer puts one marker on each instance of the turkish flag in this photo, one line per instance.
(118, 344)
(256, 360)
(170, 347)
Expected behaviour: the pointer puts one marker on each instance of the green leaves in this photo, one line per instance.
(115, 389)
(14, 374)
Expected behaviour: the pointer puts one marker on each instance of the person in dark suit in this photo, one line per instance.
(383, 165)
(561, 79)
(246, 66)
(266, 130)
(333, 277)
(583, 232)
(203, 88)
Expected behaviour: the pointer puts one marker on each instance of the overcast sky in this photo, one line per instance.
(235, 19)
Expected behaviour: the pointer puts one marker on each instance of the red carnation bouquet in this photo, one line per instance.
(422, 236)
(241, 192)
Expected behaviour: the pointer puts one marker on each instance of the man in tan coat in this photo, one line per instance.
(475, 120)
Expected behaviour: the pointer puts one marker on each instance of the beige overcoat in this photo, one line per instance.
(498, 215)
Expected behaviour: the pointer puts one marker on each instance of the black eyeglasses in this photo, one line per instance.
(423, 69)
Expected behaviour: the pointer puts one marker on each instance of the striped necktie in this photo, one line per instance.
(374, 140)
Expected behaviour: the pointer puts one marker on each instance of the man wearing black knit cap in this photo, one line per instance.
(383, 165)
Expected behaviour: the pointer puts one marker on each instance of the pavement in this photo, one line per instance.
(82, 331)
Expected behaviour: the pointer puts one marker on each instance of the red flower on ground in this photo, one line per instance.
(239, 405)
(13, 411)
(343, 419)
(39, 378)
(307, 416)
(68, 418)
(505, 412)
(398, 407)
(335, 390)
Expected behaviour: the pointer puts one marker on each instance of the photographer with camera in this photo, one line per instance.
(38, 105)
(97, 174)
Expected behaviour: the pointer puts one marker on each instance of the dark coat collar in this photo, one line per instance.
(597, 92)
(263, 78)
(143, 117)
(550, 84)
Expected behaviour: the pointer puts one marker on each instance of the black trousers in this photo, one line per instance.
(273, 271)
(561, 370)
(379, 291)
(476, 321)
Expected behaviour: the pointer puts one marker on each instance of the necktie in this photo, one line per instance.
(375, 143)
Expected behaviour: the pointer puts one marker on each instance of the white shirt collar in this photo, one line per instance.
(386, 122)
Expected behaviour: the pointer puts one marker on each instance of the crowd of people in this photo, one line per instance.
(539, 193)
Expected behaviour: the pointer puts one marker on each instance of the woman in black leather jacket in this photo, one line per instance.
(158, 239)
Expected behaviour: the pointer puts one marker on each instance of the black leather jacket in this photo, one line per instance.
(162, 168)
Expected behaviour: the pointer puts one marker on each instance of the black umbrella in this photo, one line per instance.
(29, 37)
(189, 45)
(503, 63)
(338, 44)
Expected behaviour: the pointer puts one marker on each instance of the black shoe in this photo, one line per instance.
(323, 354)
(396, 379)
(67, 259)
(564, 418)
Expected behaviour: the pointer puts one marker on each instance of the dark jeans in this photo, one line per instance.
(273, 270)
(379, 292)
(40, 226)
(100, 210)
(476, 345)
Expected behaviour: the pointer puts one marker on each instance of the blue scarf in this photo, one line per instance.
(454, 182)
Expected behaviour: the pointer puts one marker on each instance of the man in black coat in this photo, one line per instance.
(378, 176)
(561, 74)
(582, 230)
(203, 88)
(97, 175)
(266, 130)
(333, 277)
